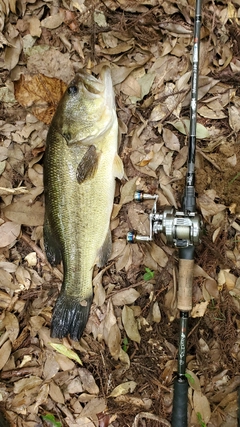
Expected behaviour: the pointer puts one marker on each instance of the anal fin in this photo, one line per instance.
(51, 245)
(105, 251)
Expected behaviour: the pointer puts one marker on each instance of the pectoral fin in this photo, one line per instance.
(105, 251)
(118, 170)
(88, 165)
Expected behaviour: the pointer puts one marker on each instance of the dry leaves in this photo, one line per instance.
(124, 350)
(40, 94)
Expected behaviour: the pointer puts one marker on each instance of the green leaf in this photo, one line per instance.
(149, 274)
(189, 377)
(66, 351)
(51, 419)
(125, 344)
(200, 420)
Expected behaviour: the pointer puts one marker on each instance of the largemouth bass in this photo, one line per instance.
(80, 167)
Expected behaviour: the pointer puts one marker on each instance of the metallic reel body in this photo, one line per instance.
(181, 229)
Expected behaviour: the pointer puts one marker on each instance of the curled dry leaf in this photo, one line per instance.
(99, 291)
(111, 332)
(5, 352)
(130, 324)
(124, 388)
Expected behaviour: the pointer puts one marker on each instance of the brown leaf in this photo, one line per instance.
(9, 232)
(5, 352)
(88, 381)
(158, 255)
(12, 53)
(56, 393)
(124, 388)
(201, 406)
(171, 140)
(127, 296)
(25, 214)
(130, 324)
(39, 93)
(111, 332)
(12, 326)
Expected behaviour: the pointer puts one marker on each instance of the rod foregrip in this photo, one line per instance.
(180, 402)
(185, 281)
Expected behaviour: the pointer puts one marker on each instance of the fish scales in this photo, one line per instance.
(80, 167)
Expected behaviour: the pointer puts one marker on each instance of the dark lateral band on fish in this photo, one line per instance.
(80, 167)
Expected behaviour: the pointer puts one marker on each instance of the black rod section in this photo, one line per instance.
(186, 254)
(189, 201)
(180, 397)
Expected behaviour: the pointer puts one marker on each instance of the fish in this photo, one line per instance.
(81, 164)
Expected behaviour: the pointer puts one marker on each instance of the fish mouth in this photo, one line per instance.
(96, 87)
(91, 86)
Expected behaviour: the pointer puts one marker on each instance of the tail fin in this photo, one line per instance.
(69, 317)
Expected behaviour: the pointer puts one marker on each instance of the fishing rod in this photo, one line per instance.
(183, 230)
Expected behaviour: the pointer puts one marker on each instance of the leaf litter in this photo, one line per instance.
(129, 348)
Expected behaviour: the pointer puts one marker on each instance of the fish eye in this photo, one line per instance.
(73, 90)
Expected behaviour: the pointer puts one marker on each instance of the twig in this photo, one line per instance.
(150, 416)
